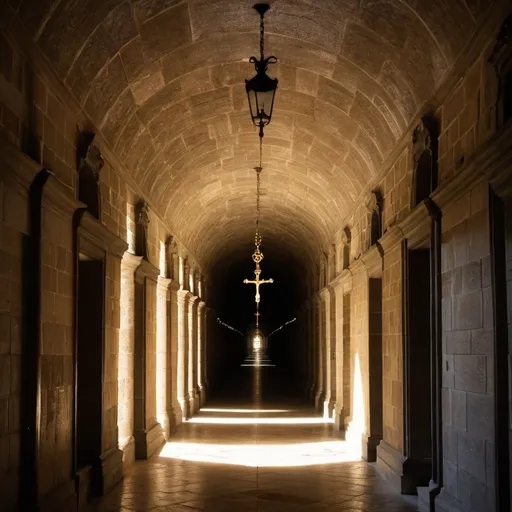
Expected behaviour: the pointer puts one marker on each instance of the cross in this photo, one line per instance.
(258, 282)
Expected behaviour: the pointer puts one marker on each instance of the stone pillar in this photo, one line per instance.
(174, 407)
(125, 391)
(182, 382)
(338, 342)
(163, 370)
(147, 431)
(320, 354)
(200, 351)
(193, 396)
(329, 326)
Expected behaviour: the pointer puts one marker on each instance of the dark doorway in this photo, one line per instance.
(375, 367)
(90, 368)
(501, 266)
(418, 466)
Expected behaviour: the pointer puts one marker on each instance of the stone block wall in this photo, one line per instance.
(392, 341)
(14, 229)
(468, 116)
(468, 353)
(56, 359)
(111, 353)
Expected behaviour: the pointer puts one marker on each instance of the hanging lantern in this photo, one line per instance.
(261, 89)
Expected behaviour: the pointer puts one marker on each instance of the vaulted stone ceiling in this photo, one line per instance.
(164, 81)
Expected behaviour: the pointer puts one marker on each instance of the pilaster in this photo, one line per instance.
(125, 410)
(147, 431)
(182, 370)
(163, 349)
(175, 412)
(193, 395)
(201, 330)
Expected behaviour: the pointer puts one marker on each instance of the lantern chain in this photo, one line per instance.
(262, 36)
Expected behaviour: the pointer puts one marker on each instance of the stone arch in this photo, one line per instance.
(90, 163)
(425, 155)
(501, 59)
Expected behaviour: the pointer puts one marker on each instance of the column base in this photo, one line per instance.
(177, 417)
(427, 497)
(191, 405)
(61, 499)
(369, 447)
(202, 396)
(111, 469)
(404, 474)
(328, 407)
(165, 421)
(319, 400)
(339, 420)
(447, 503)
(128, 449)
(148, 442)
(184, 407)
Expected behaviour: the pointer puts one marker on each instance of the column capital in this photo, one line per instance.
(183, 296)
(192, 299)
(130, 262)
(162, 285)
(202, 304)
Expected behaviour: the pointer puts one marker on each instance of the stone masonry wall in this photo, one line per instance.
(392, 339)
(13, 231)
(468, 361)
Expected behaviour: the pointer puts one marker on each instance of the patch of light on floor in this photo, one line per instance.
(243, 411)
(262, 455)
(259, 421)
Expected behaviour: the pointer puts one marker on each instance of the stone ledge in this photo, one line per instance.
(95, 233)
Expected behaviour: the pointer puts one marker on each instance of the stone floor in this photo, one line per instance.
(257, 452)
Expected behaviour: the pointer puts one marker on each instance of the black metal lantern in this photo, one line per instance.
(261, 89)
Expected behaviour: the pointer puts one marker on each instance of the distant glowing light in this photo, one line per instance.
(262, 455)
(243, 411)
(260, 421)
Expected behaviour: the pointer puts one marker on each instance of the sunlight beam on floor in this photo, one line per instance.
(260, 421)
(243, 411)
(262, 455)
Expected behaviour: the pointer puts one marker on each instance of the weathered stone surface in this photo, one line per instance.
(166, 31)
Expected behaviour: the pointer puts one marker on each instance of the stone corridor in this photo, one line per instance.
(148, 159)
(257, 449)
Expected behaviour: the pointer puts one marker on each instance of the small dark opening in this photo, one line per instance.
(507, 97)
(375, 227)
(88, 191)
(424, 183)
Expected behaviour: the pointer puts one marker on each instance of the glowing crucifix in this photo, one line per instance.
(257, 257)
(258, 282)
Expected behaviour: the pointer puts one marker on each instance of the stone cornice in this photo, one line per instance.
(416, 226)
(147, 269)
(15, 165)
(58, 197)
(93, 232)
(391, 238)
(130, 262)
(162, 285)
(357, 266)
(372, 260)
